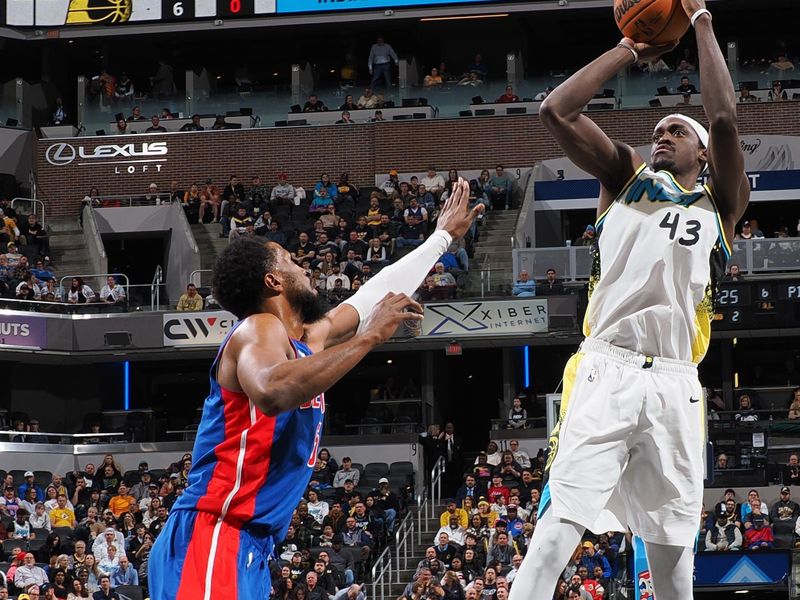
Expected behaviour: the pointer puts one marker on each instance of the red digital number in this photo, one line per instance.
(236, 6)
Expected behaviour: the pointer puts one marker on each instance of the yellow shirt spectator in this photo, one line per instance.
(62, 517)
(463, 517)
(191, 301)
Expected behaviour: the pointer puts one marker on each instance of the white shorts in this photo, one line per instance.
(628, 450)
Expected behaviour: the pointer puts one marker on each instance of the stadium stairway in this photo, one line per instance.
(68, 251)
(416, 553)
(493, 251)
(210, 244)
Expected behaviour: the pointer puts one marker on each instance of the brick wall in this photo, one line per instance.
(361, 150)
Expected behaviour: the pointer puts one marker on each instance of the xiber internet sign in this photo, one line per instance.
(124, 159)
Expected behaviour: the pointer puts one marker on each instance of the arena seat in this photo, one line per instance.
(18, 475)
(403, 467)
(64, 533)
(131, 477)
(156, 474)
(37, 543)
(9, 545)
(360, 468)
(40, 532)
(42, 478)
(373, 472)
(5, 566)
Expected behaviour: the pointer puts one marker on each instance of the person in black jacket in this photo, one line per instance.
(551, 286)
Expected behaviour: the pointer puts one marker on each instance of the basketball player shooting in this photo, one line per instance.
(262, 421)
(628, 448)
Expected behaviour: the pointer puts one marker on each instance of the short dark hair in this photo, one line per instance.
(238, 281)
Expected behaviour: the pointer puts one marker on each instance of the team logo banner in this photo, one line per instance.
(30, 332)
(493, 317)
(197, 328)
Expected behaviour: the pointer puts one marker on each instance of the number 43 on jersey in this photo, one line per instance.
(689, 231)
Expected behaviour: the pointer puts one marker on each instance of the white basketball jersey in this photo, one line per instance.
(659, 252)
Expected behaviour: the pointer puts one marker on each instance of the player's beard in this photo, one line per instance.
(312, 308)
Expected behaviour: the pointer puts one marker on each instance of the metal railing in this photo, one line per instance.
(155, 288)
(574, 263)
(404, 541)
(105, 276)
(35, 203)
(382, 571)
(63, 438)
(486, 280)
(422, 509)
(196, 277)
(128, 200)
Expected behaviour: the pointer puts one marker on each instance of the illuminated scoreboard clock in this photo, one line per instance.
(758, 305)
(59, 13)
(65, 13)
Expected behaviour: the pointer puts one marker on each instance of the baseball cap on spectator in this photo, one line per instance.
(43, 589)
(587, 544)
(746, 224)
(174, 476)
(393, 172)
(382, 480)
(483, 503)
(721, 512)
(23, 597)
(785, 490)
(590, 228)
(153, 485)
(512, 507)
(500, 523)
(29, 474)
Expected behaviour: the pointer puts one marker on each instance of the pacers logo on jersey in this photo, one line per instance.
(92, 12)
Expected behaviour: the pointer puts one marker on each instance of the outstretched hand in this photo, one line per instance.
(648, 52)
(387, 315)
(456, 216)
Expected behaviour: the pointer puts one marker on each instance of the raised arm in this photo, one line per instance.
(725, 160)
(259, 358)
(612, 162)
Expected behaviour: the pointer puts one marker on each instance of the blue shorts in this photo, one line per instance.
(197, 557)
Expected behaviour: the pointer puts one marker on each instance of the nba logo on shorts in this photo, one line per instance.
(645, 586)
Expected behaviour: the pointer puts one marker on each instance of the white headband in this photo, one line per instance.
(701, 131)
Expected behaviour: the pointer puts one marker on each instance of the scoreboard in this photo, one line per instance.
(60, 13)
(758, 305)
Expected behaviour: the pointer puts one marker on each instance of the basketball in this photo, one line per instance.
(651, 21)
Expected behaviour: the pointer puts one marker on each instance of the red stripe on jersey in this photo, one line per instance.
(236, 412)
(193, 575)
(255, 469)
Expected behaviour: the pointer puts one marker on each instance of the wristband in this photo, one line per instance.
(700, 13)
(632, 51)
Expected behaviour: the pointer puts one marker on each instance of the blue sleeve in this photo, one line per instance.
(606, 567)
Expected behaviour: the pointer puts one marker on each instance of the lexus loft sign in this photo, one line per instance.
(124, 158)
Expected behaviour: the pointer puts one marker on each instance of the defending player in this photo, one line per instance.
(258, 438)
(628, 448)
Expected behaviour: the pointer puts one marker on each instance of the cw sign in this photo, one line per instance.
(62, 154)
(197, 329)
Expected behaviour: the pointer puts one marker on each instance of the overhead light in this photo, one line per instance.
(465, 17)
(388, 361)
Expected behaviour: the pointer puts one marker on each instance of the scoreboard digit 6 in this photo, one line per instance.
(177, 10)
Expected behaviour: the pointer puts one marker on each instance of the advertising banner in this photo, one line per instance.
(742, 569)
(493, 317)
(19, 330)
(197, 328)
